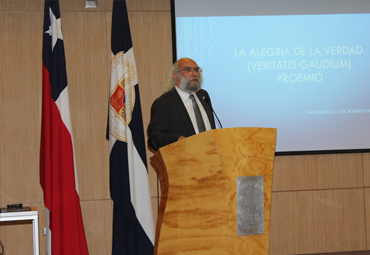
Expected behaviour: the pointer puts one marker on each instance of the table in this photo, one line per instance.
(26, 215)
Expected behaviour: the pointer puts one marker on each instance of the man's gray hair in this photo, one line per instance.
(170, 83)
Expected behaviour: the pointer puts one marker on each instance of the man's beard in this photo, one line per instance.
(188, 85)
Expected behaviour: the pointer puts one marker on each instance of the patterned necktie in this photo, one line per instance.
(198, 115)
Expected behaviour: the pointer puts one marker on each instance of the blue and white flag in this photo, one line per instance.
(133, 227)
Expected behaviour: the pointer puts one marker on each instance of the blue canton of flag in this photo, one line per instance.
(133, 228)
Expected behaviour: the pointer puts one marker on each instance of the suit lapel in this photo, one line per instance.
(181, 111)
(207, 108)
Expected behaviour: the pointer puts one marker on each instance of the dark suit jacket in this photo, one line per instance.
(169, 118)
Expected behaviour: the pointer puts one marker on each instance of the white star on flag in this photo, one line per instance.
(55, 29)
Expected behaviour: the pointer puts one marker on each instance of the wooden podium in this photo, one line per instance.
(198, 208)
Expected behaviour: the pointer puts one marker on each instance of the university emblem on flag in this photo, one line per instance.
(122, 96)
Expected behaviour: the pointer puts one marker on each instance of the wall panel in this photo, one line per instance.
(79, 5)
(367, 215)
(366, 166)
(148, 5)
(326, 171)
(20, 111)
(21, 5)
(317, 221)
(97, 217)
(86, 51)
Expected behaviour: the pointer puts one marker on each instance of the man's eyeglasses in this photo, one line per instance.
(191, 69)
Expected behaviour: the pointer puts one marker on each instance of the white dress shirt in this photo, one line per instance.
(189, 107)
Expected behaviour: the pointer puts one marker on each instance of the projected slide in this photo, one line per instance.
(306, 75)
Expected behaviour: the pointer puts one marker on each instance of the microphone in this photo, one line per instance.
(208, 101)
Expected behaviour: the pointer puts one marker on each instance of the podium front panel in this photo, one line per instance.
(198, 210)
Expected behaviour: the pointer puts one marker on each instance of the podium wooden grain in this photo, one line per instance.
(198, 208)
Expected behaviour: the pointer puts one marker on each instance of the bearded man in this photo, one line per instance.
(183, 110)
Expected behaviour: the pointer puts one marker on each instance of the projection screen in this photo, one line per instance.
(301, 66)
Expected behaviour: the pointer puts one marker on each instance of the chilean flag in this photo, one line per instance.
(58, 178)
(133, 227)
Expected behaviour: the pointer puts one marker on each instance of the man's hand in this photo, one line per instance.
(181, 137)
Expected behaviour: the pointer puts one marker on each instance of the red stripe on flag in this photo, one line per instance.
(57, 178)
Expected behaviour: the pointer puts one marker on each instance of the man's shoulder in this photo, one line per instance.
(202, 93)
(166, 97)
(173, 95)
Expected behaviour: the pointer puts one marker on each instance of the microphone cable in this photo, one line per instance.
(218, 120)
(208, 101)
